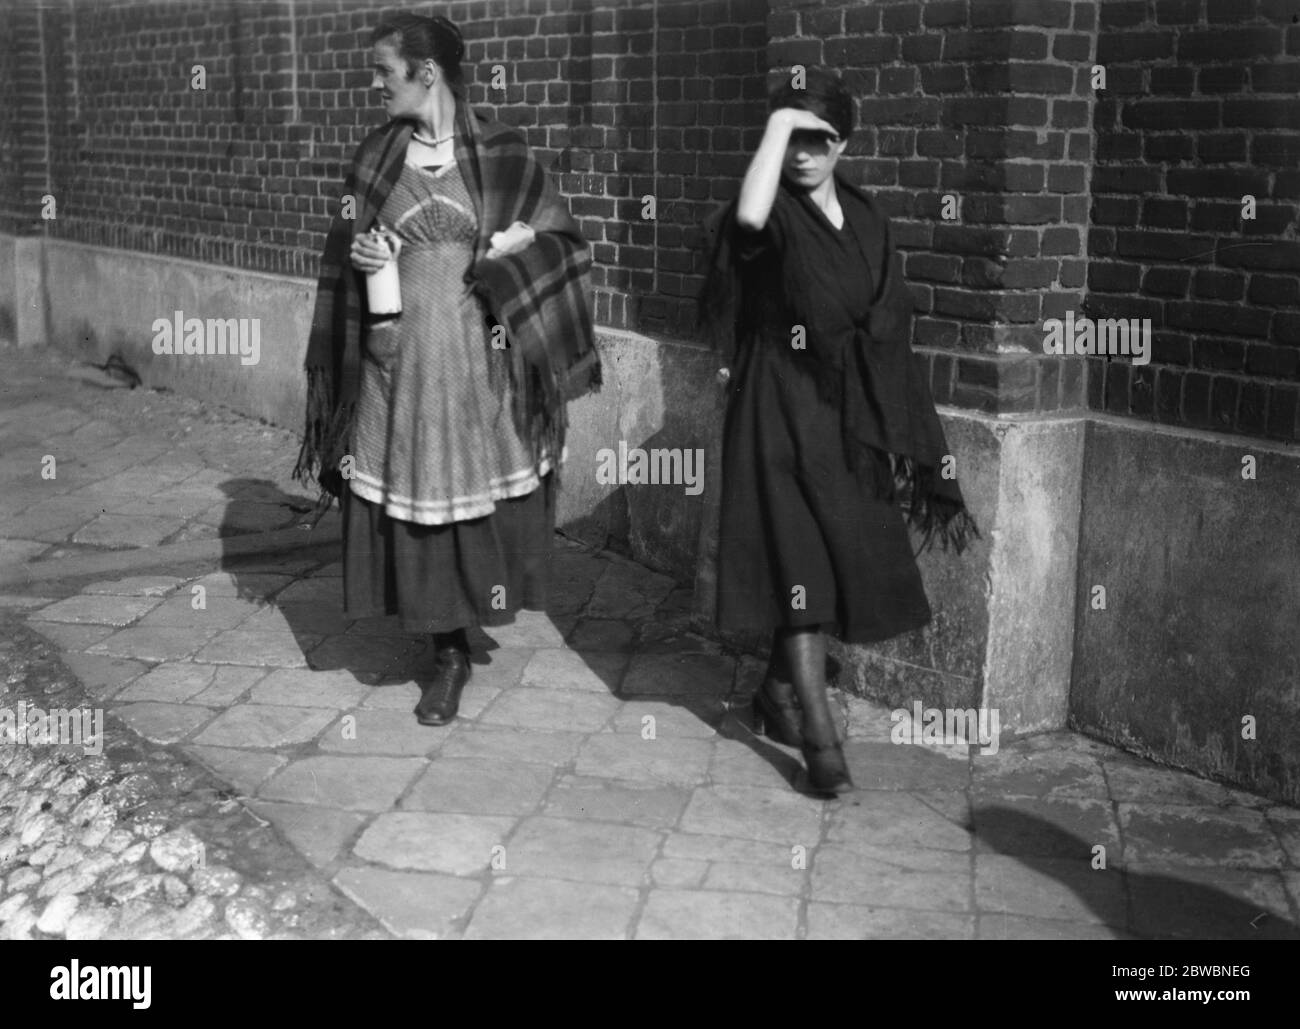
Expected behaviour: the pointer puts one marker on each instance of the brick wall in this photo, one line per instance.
(1123, 202)
(620, 99)
(22, 119)
(987, 103)
(1202, 108)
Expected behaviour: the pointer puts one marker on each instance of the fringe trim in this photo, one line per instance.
(538, 412)
(933, 514)
(539, 406)
(326, 439)
(946, 520)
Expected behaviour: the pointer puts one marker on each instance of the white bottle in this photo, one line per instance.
(383, 290)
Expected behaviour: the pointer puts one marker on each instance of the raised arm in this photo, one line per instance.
(758, 190)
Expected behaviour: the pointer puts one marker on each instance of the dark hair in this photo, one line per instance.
(823, 94)
(419, 39)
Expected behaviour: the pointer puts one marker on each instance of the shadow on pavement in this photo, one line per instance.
(1160, 905)
(379, 653)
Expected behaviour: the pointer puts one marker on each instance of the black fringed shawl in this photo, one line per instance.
(540, 295)
(876, 381)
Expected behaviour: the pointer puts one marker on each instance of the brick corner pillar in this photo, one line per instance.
(974, 133)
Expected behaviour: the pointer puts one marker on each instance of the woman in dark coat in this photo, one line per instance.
(830, 431)
(441, 431)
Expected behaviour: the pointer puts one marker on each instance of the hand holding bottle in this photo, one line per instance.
(383, 287)
(371, 251)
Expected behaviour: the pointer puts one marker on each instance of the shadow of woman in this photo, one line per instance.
(301, 588)
(647, 655)
(1160, 904)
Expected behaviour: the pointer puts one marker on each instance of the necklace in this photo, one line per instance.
(431, 142)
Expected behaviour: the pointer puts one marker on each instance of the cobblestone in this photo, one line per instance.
(133, 871)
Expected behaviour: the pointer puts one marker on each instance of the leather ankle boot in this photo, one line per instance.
(828, 772)
(441, 698)
(776, 720)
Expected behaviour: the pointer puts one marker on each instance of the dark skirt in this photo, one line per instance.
(803, 542)
(438, 578)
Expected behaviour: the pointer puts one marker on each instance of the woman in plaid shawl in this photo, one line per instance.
(441, 431)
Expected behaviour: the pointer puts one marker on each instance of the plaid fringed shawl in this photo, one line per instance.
(539, 295)
(876, 381)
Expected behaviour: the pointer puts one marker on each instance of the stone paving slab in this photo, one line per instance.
(1225, 838)
(411, 905)
(884, 821)
(1191, 902)
(52, 520)
(72, 637)
(552, 909)
(1056, 888)
(1063, 827)
(717, 915)
(98, 610)
(862, 922)
(20, 550)
(1049, 774)
(677, 717)
(550, 709)
(366, 731)
(128, 530)
(243, 769)
(152, 643)
(355, 653)
(489, 786)
(309, 689)
(1132, 780)
(557, 748)
(163, 723)
(754, 813)
(101, 675)
(321, 833)
(682, 762)
(582, 850)
(457, 844)
(1285, 823)
(351, 783)
(264, 726)
(180, 612)
(175, 681)
(267, 649)
(1016, 927)
(608, 800)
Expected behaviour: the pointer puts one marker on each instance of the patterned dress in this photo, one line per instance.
(435, 441)
(448, 522)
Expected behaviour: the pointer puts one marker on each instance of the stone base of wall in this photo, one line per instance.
(98, 301)
(22, 297)
(1194, 644)
(1195, 651)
